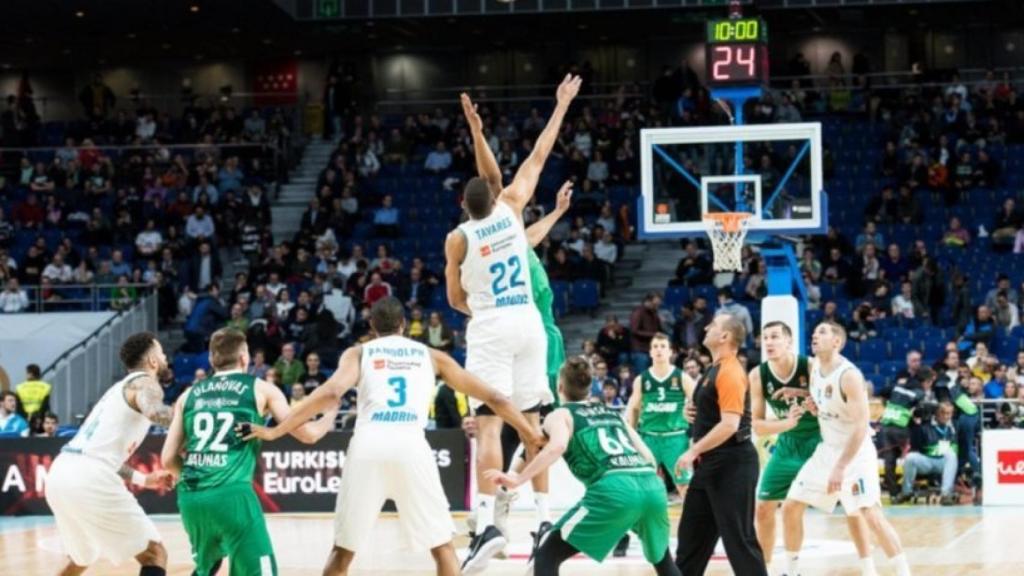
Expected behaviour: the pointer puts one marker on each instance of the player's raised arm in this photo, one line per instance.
(296, 420)
(632, 413)
(455, 253)
(851, 384)
(486, 164)
(174, 443)
(536, 233)
(462, 381)
(518, 193)
(559, 429)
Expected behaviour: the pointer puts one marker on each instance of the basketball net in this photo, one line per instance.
(727, 230)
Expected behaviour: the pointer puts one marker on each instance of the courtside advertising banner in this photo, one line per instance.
(291, 477)
(1002, 453)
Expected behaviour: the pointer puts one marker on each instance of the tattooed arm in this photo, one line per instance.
(145, 395)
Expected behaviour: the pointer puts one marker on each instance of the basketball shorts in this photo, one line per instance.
(227, 521)
(784, 464)
(860, 489)
(401, 468)
(96, 516)
(618, 503)
(508, 351)
(667, 449)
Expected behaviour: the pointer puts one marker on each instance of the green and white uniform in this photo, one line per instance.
(544, 297)
(795, 447)
(623, 493)
(219, 508)
(662, 425)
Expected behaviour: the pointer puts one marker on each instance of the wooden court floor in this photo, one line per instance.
(939, 541)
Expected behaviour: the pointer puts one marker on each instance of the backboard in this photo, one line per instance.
(689, 172)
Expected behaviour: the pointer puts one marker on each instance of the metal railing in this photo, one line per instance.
(80, 297)
(81, 374)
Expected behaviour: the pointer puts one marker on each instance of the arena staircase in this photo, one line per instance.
(294, 196)
(644, 267)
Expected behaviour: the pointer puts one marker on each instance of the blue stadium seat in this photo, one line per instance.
(560, 305)
(584, 295)
(675, 296)
(873, 351)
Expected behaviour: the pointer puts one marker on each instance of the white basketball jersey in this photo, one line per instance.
(833, 411)
(396, 383)
(495, 272)
(113, 429)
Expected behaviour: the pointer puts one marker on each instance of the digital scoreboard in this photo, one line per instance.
(737, 52)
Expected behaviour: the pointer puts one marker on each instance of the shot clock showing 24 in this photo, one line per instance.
(737, 52)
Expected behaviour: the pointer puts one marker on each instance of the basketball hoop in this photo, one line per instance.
(727, 231)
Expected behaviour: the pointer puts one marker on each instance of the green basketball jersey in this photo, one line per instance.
(599, 444)
(661, 403)
(807, 427)
(543, 296)
(214, 455)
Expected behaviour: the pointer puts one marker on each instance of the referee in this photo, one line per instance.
(720, 501)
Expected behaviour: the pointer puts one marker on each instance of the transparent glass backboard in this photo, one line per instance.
(771, 171)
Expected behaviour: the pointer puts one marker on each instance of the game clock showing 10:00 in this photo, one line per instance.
(737, 52)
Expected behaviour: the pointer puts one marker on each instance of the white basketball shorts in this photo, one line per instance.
(384, 465)
(860, 488)
(508, 350)
(97, 517)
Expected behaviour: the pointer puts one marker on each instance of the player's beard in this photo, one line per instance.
(164, 374)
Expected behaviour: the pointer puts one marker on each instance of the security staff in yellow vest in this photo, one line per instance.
(33, 392)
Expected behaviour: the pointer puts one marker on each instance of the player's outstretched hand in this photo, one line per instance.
(810, 406)
(250, 431)
(568, 89)
(685, 462)
(159, 479)
(536, 438)
(472, 116)
(789, 393)
(509, 480)
(795, 412)
(564, 198)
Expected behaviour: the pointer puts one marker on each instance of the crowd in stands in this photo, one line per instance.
(896, 162)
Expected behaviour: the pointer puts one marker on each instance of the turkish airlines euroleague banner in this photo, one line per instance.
(291, 476)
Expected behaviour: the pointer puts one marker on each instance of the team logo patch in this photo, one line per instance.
(828, 391)
(485, 250)
(379, 364)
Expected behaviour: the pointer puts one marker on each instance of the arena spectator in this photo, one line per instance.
(1007, 315)
(726, 305)
(33, 393)
(980, 329)
(45, 426)
(439, 159)
(13, 299)
(386, 219)
(311, 377)
(200, 226)
(12, 424)
(1002, 286)
(376, 289)
(612, 342)
(903, 303)
(57, 271)
(288, 368)
(956, 235)
(933, 450)
(259, 367)
(693, 269)
(644, 323)
(438, 335)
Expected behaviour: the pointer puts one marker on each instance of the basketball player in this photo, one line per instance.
(623, 491)
(798, 436)
(656, 409)
(506, 342)
(219, 509)
(96, 515)
(543, 297)
(389, 458)
(844, 466)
